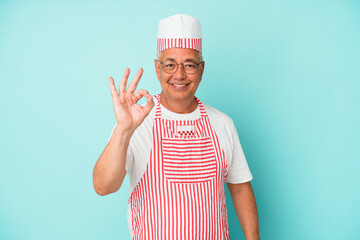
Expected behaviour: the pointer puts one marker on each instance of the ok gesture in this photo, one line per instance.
(129, 115)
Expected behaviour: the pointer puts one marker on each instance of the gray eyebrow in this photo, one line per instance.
(190, 60)
(169, 59)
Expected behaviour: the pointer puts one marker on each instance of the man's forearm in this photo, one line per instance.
(245, 206)
(109, 170)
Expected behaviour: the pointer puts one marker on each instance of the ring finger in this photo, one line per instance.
(122, 86)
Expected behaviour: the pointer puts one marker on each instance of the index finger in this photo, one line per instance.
(135, 81)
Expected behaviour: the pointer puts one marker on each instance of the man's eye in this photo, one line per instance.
(190, 65)
(170, 65)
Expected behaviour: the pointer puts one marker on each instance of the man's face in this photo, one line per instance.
(179, 85)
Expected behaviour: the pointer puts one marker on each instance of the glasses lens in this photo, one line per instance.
(170, 67)
(190, 68)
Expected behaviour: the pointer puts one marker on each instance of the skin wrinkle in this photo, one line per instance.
(158, 56)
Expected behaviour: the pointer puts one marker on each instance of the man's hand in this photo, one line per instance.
(109, 170)
(129, 115)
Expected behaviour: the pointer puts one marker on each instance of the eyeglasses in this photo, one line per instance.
(172, 67)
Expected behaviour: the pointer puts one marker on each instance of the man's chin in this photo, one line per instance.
(179, 95)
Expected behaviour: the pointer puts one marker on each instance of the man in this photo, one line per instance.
(177, 150)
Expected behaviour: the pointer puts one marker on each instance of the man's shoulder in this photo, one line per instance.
(223, 125)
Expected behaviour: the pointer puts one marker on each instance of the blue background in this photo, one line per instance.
(287, 72)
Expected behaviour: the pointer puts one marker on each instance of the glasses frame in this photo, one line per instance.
(177, 67)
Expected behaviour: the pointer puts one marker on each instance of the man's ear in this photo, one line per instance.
(202, 69)
(157, 68)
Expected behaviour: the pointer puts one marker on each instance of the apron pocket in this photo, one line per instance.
(188, 160)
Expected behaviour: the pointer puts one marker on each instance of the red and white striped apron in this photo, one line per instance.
(181, 194)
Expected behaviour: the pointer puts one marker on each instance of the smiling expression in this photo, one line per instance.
(179, 85)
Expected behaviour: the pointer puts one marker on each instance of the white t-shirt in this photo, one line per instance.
(138, 154)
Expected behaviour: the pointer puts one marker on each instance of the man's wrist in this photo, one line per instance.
(123, 134)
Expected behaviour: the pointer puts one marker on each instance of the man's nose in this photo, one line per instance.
(180, 72)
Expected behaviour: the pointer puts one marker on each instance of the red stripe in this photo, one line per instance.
(192, 167)
(184, 142)
(184, 151)
(191, 159)
(185, 172)
(158, 44)
(187, 150)
(189, 155)
(191, 145)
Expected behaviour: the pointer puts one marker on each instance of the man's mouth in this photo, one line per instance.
(179, 85)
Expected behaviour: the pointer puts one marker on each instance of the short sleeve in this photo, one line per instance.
(129, 153)
(239, 171)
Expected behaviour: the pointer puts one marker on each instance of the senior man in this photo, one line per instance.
(178, 151)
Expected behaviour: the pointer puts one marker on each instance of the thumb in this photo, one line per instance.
(149, 104)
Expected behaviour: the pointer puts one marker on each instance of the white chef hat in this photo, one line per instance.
(179, 30)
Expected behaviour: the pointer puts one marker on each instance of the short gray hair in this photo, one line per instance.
(199, 53)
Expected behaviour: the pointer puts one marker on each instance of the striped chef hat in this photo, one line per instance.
(181, 31)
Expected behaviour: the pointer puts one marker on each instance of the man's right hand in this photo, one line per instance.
(129, 115)
(109, 170)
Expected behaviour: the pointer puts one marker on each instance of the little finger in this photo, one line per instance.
(112, 87)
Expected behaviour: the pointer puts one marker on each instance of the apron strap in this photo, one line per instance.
(158, 107)
(202, 108)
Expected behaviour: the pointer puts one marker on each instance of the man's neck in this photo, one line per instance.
(179, 106)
